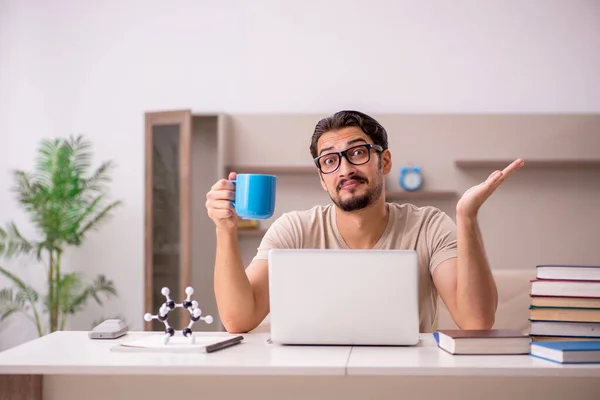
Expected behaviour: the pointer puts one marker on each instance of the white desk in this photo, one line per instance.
(75, 367)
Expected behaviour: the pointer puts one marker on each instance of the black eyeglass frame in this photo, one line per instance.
(344, 154)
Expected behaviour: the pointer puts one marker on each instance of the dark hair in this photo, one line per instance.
(345, 118)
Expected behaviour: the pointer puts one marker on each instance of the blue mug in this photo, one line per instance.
(254, 196)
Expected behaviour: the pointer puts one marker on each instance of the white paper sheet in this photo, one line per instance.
(176, 344)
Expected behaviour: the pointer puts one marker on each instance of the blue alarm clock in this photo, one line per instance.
(411, 178)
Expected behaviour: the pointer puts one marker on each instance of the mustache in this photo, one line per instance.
(352, 178)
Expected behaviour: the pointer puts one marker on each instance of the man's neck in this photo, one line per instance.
(362, 229)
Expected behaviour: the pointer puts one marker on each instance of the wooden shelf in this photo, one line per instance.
(501, 164)
(420, 194)
(272, 170)
(252, 232)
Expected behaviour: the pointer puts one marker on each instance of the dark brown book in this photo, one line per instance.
(493, 341)
(491, 333)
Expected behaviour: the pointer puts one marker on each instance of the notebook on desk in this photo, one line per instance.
(344, 297)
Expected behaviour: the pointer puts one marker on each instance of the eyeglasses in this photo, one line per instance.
(357, 155)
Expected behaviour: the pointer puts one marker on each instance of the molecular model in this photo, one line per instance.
(168, 305)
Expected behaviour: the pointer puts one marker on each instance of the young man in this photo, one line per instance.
(351, 153)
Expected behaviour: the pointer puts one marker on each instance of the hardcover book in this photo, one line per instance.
(569, 272)
(580, 352)
(493, 341)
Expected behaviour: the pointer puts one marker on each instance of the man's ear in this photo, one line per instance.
(386, 161)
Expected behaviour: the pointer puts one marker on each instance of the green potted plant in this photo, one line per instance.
(65, 201)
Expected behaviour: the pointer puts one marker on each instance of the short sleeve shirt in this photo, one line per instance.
(427, 230)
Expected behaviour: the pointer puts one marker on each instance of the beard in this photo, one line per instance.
(358, 201)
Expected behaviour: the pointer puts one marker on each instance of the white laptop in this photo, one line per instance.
(344, 297)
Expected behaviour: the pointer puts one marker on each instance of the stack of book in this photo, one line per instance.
(565, 303)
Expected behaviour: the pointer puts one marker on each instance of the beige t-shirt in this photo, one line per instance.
(429, 231)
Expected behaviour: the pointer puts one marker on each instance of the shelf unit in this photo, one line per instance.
(550, 163)
(186, 152)
(256, 232)
(272, 169)
(421, 194)
(184, 155)
(463, 164)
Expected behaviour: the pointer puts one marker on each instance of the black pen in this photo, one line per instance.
(224, 344)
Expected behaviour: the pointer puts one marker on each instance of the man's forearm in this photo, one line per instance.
(476, 294)
(233, 291)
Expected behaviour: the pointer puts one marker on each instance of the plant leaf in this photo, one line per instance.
(96, 182)
(67, 289)
(10, 303)
(62, 197)
(13, 243)
(18, 282)
(27, 295)
(102, 216)
(74, 302)
(23, 299)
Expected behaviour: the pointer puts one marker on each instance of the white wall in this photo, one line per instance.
(70, 67)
